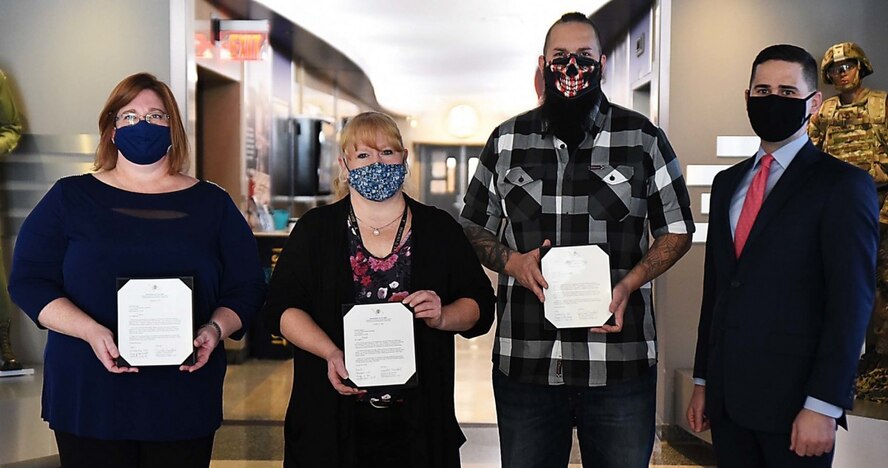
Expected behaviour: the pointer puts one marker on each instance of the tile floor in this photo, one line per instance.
(257, 391)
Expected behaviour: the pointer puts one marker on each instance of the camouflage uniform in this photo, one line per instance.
(10, 132)
(857, 133)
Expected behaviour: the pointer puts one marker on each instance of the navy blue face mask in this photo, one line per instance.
(143, 143)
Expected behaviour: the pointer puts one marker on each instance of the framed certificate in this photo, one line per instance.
(155, 321)
(379, 345)
(579, 293)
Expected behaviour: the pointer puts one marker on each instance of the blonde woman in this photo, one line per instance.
(375, 245)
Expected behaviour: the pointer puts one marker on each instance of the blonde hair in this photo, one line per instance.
(123, 94)
(363, 129)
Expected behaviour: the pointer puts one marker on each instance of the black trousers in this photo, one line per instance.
(84, 452)
(740, 447)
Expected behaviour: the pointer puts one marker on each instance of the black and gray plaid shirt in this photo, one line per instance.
(622, 181)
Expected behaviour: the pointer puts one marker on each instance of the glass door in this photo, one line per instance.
(446, 171)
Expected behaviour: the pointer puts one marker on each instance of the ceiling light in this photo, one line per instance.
(462, 121)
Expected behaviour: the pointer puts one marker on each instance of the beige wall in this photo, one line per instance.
(64, 57)
(712, 48)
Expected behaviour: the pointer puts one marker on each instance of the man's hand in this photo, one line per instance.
(526, 269)
(664, 252)
(813, 434)
(696, 410)
(619, 301)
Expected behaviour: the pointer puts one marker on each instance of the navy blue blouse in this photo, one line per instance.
(75, 243)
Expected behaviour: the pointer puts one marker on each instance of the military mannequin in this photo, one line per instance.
(10, 132)
(852, 127)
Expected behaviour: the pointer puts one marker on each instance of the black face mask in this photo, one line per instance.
(775, 118)
(572, 76)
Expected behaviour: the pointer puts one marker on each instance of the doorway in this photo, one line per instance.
(446, 172)
(218, 133)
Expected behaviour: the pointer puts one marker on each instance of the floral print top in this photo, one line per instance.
(379, 279)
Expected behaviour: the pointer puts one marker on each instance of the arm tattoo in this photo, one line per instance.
(490, 251)
(665, 251)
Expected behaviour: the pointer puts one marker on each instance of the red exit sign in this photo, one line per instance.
(241, 39)
(243, 45)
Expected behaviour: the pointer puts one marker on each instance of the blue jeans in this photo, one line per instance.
(615, 423)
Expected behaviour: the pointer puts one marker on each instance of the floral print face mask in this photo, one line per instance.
(378, 181)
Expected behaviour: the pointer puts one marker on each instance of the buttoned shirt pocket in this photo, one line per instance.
(610, 196)
(522, 190)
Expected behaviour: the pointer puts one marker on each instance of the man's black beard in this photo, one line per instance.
(569, 118)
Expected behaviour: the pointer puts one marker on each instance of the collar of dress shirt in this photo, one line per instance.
(785, 154)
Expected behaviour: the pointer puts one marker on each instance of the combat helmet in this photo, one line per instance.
(845, 51)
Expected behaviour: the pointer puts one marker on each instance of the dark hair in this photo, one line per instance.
(123, 94)
(792, 54)
(574, 17)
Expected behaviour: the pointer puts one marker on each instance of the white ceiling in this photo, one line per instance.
(420, 54)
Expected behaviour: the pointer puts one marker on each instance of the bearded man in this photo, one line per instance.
(576, 171)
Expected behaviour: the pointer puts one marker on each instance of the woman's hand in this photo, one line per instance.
(208, 337)
(336, 372)
(62, 316)
(426, 305)
(101, 340)
(298, 327)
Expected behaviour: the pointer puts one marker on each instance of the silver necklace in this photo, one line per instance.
(377, 229)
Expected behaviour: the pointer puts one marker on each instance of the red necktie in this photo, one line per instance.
(755, 195)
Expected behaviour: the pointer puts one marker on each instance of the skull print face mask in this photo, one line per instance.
(572, 75)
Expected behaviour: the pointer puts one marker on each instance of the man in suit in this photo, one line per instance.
(788, 283)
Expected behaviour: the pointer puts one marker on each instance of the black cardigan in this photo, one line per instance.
(313, 274)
